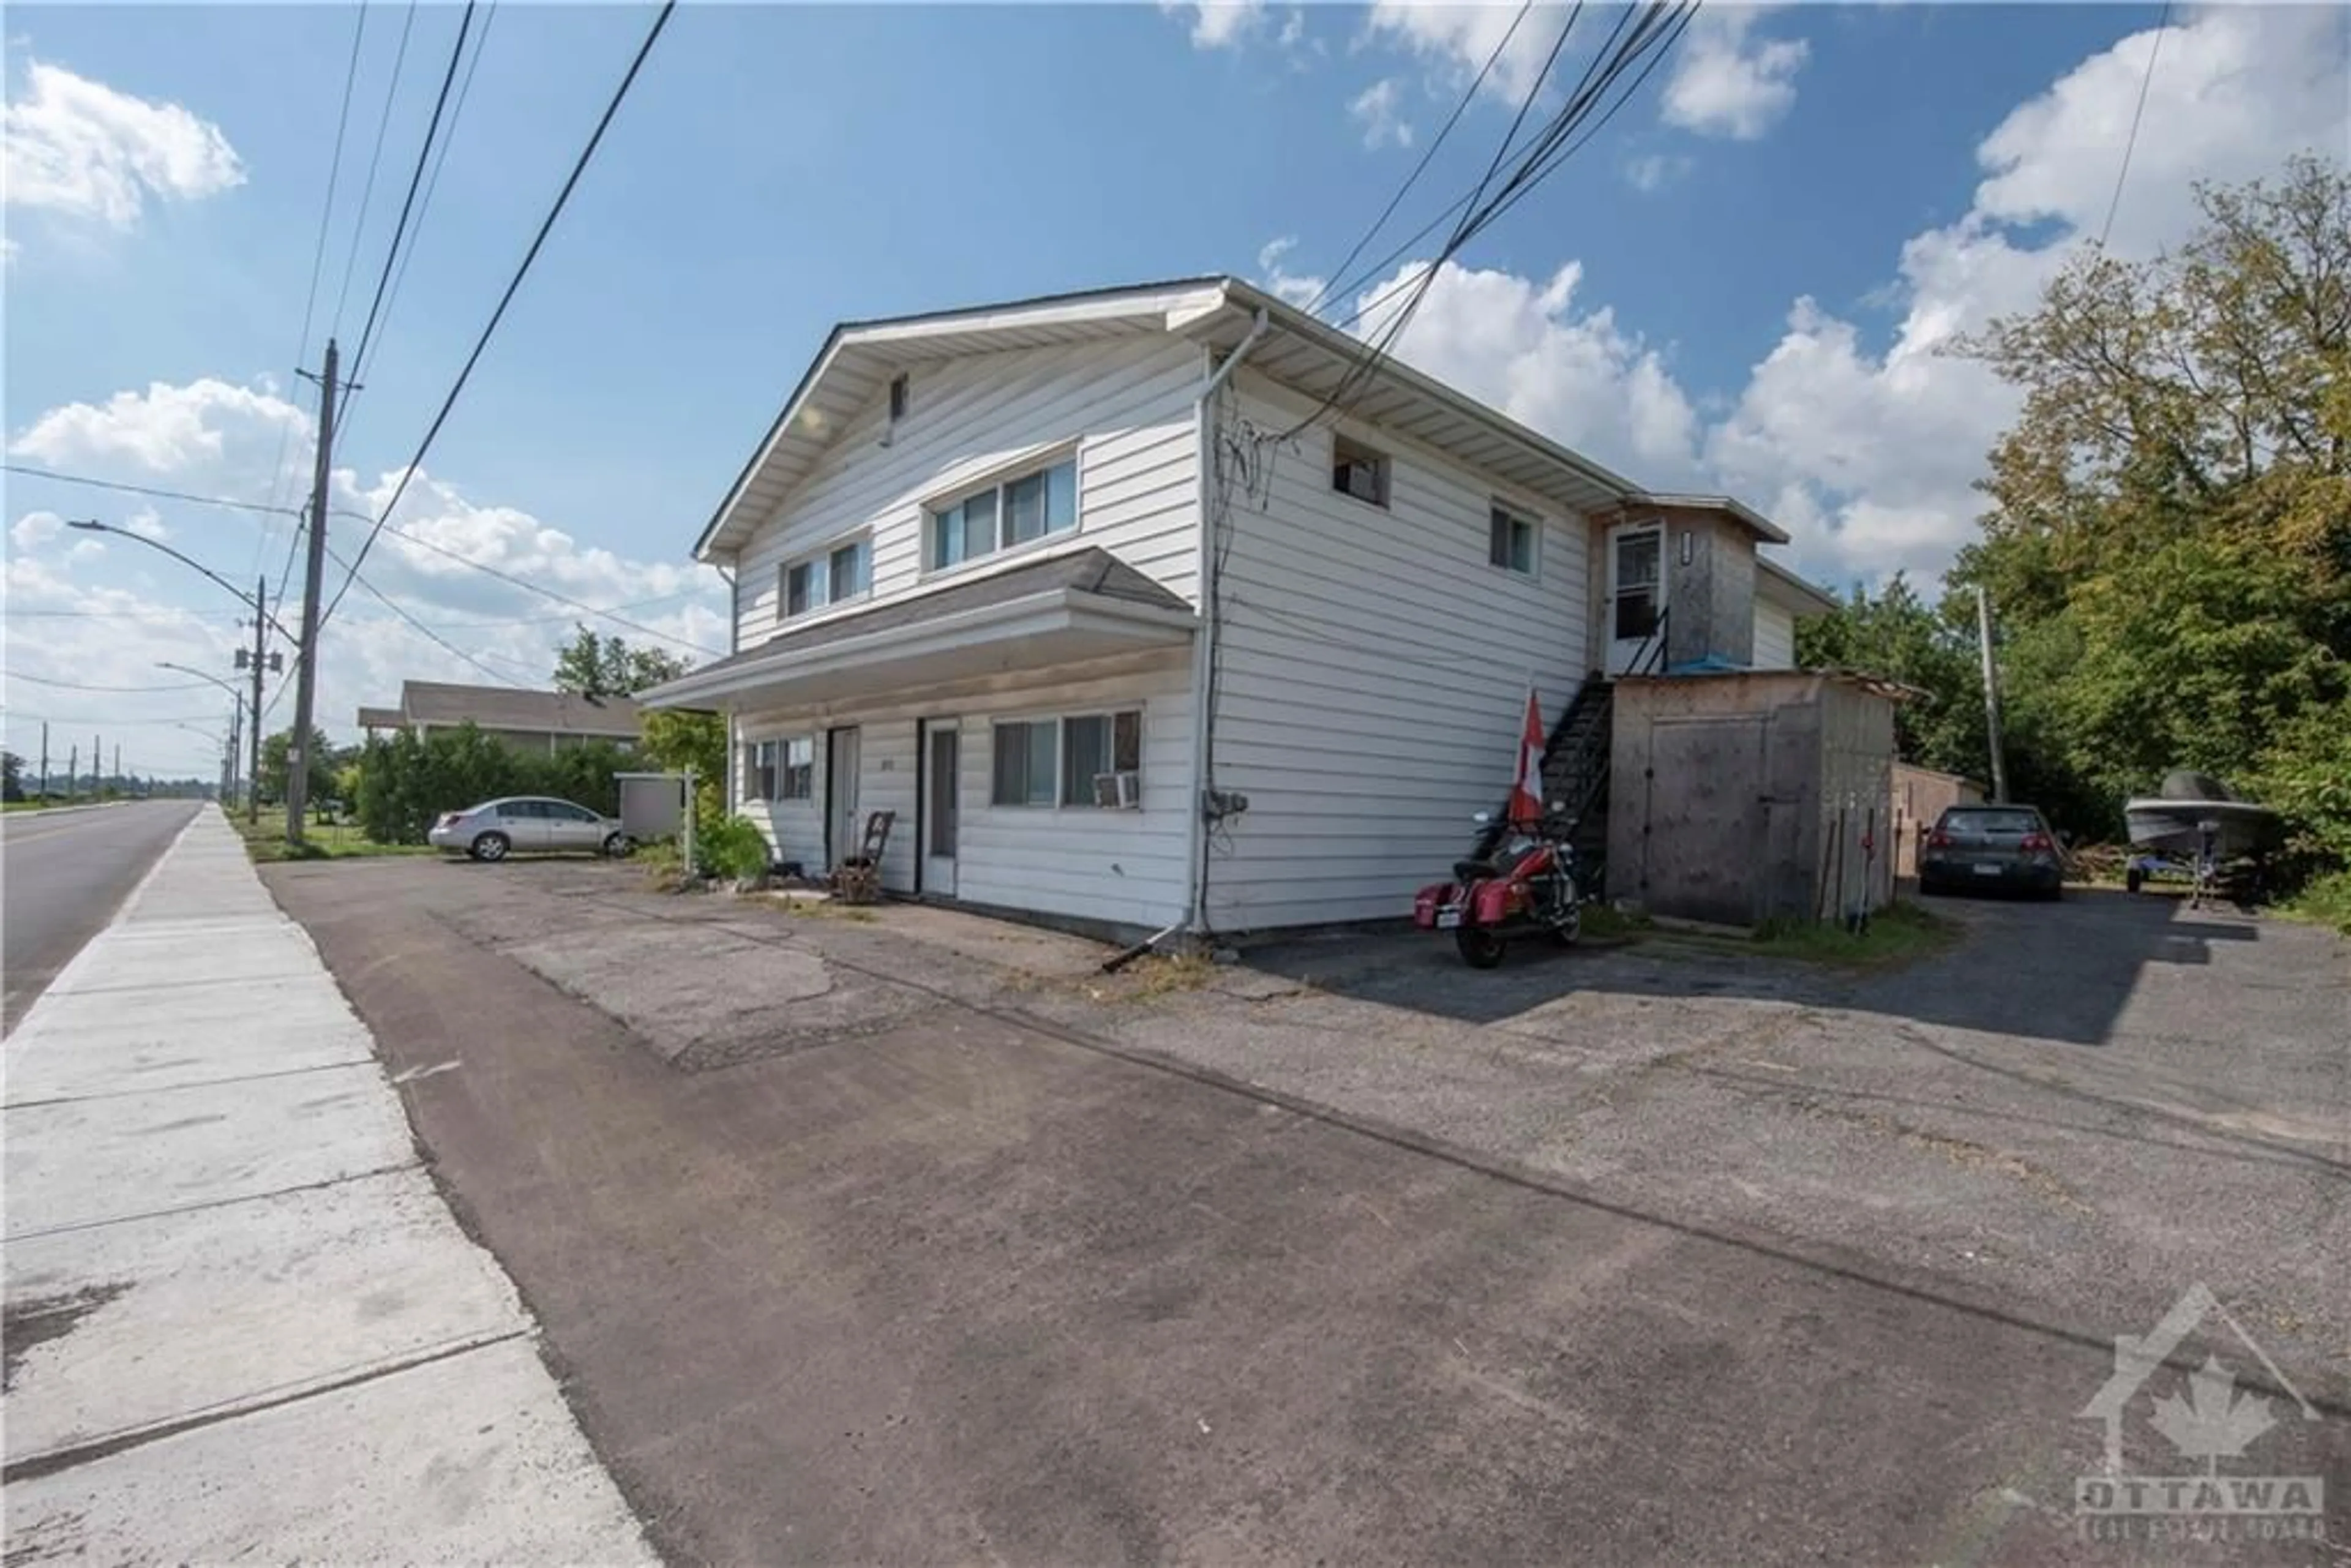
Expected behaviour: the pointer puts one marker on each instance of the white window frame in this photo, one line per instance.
(804, 747)
(1035, 466)
(1356, 451)
(1062, 800)
(818, 564)
(1502, 513)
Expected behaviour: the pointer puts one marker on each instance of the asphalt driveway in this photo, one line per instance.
(855, 1242)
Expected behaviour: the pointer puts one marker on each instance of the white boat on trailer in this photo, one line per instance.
(2196, 826)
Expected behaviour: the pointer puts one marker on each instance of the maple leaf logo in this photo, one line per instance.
(2213, 1421)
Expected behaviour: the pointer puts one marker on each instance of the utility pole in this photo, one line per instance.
(305, 668)
(1992, 692)
(73, 767)
(97, 768)
(117, 760)
(253, 762)
(44, 756)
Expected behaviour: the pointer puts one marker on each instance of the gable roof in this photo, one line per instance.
(1800, 596)
(509, 707)
(1756, 523)
(1300, 351)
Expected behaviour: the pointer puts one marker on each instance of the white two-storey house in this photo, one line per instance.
(1138, 610)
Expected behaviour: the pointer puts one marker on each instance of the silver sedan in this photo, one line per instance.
(527, 825)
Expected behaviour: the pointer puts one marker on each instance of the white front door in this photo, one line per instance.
(1637, 598)
(942, 805)
(848, 834)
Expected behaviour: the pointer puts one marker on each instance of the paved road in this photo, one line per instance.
(65, 873)
(964, 1286)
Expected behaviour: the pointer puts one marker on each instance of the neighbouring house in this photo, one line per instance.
(1921, 795)
(525, 720)
(1143, 608)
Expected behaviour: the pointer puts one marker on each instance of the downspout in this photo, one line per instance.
(1204, 647)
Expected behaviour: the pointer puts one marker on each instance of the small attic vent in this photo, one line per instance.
(897, 398)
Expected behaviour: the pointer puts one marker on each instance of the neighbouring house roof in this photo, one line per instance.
(1791, 592)
(1756, 523)
(1300, 350)
(1084, 580)
(506, 707)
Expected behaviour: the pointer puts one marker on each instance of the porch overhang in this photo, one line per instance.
(1021, 621)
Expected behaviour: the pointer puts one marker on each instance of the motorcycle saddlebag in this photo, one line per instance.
(1493, 902)
(1428, 901)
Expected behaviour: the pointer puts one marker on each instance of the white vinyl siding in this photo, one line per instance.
(1775, 637)
(1127, 405)
(1124, 868)
(1374, 678)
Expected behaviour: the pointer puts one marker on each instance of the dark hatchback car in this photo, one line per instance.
(1991, 847)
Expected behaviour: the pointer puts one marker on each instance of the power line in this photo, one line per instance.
(367, 192)
(545, 226)
(79, 686)
(432, 184)
(318, 265)
(416, 180)
(502, 575)
(547, 593)
(387, 602)
(2154, 47)
(1324, 294)
(52, 474)
(1659, 26)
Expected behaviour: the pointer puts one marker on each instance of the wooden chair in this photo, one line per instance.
(858, 878)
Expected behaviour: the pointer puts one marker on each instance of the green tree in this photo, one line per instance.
(609, 666)
(1896, 633)
(277, 751)
(2168, 536)
(676, 740)
(12, 776)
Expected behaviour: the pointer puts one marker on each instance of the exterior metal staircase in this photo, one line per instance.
(1575, 775)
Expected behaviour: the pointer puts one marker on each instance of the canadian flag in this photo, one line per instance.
(1527, 784)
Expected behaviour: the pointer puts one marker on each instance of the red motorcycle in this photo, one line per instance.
(1524, 885)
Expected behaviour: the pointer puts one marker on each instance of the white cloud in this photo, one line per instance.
(79, 147)
(1377, 109)
(148, 524)
(1297, 289)
(1223, 23)
(1884, 447)
(34, 529)
(1726, 82)
(1868, 453)
(205, 429)
(126, 607)
(1458, 39)
(1524, 347)
(1655, 170)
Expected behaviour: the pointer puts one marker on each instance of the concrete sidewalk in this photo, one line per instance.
(240, 1319)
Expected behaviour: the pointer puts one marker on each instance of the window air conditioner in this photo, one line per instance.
(1120, 791)
(1361, 480)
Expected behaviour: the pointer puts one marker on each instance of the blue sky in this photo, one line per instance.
(779, 168)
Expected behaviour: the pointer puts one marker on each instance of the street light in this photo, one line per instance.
(91, 525)
(236, 722)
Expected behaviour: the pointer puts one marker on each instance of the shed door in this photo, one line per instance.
(1706, 825)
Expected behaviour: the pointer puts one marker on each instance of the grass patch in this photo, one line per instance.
(1607, 923)
(2323, 901)
(1166, 974)
(1896, 935)
(265, 841)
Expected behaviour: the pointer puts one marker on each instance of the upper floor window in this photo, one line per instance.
(1011, 512)
(1511, 541)
(834, 576)
(1356, 470)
